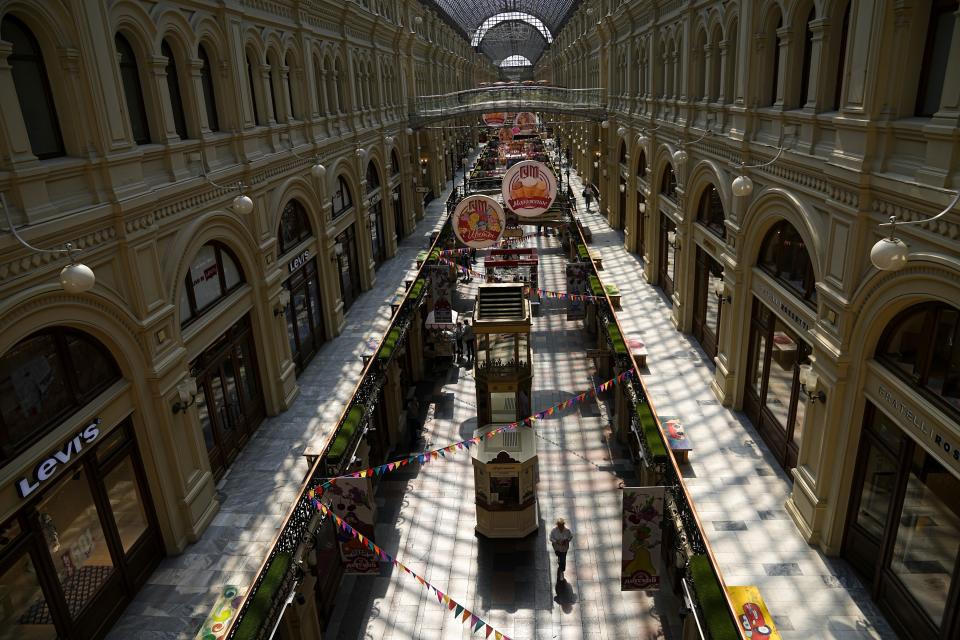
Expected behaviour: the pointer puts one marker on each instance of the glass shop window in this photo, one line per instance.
(213, 274)
(505, 491)
(784, 256)
(294, 227)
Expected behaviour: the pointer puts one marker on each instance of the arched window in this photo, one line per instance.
(33, 90)
(642, 165)
(668, 184)
(294, 227)
(342, 198)
(784, 256)
(273, 84)
(936, 54)
(710, 212)
(252, 88)
(774, 57)
(805, 96)
(730, 77)
(173, 88)
(46, 377)
(331, 77)
(922, 345)
(339, 80)
(373, 178)
(622, 158)
(209, 95)
(841, 58)
(395, 162)
(291, 104)
(213, 274)
(130, 76)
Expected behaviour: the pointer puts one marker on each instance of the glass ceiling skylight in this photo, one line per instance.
(506, 16)
(516, 61)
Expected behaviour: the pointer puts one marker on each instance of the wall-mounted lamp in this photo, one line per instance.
(742, 185)
(720, 290)
(623, 188)
(890, 253)
(596, 164)
(409, 131)
(673, 240)
(282, 301)
(338, 249)
(605, 124)
(361, 154)
(76, 277)
(810, 382)
(396, 196)
(187, 393)
(388, 141)
(621, 131)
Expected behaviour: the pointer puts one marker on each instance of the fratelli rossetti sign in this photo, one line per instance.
(946, 445)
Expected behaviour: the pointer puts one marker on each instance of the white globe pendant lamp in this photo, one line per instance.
(742, 186)
(891, 253)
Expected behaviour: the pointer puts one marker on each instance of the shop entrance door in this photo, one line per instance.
(229, 399)
(707, 307)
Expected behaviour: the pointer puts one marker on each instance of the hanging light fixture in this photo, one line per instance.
(605, 124)
(742, 185)
(621, 131)
(76, 277)
(242, 203)
(388, 141)
(890, 253)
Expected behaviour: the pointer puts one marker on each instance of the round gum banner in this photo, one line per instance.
(526, 122)
(478, 221)
(529, 188)
(495, 119)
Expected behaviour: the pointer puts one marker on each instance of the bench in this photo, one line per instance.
(638, 350)
(677, 438)
(752, 612)
(585, 232)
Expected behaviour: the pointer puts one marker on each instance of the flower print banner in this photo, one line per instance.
(641, 563)
(351, 500)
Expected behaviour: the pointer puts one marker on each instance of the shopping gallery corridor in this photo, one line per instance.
(526, 320)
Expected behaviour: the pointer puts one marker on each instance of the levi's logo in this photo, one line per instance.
(47, 467)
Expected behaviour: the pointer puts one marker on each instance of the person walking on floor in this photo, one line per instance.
(458, 335)
(587, 195)
(469, 340)
(560, 538)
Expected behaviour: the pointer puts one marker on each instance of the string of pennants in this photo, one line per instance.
(543, 293)
(459, 611)
(441, 452)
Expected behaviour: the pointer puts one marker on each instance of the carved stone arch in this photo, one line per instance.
(105, 318)
(796, 14)
(51, 23)
(771, 206)
(885, 294)
(136, 26)
(223, 227)
(345, 167)
(174, 27)
(662, 158)
(376, 158)
(704, 174)
(253, 43)
(301, 189)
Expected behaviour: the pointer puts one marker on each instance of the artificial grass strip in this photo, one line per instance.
(595, 286)
(583, 252)
(417, 288)
(648, 424)
(712, 601)
(389, 344)
(345, 435)
(263, 597)
(619, 346)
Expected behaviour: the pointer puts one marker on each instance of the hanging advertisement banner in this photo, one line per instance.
(495, 120)
(441, 293)
(479, 221)
(506, 134)
(529, 188)
(352, 501)
(526, 123)
(640, 567)
(576, 284)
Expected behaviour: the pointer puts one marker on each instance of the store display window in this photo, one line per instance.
(214, 273)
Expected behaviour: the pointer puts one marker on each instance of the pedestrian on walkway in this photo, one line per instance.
(560, 538)
(587, 195)
(469, 340)
(458, 335)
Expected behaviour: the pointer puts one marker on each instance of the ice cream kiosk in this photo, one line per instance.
(502, 366)
(505, 476)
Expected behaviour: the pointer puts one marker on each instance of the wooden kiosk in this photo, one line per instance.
(502, 366)
(505, 476)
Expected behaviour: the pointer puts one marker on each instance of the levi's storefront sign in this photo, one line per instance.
(68, 451)
(529, 188)
(478, 221)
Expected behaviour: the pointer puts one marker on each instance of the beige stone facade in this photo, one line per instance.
(293, 84)
(858, 149)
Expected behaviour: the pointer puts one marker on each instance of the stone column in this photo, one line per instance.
(708, 55)
(283, 100)
(266, 90)
(816, 98)
(722, 96)
(196, 109)
(159, 99)
(781, 72)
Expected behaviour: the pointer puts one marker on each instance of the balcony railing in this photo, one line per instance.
(555, 99)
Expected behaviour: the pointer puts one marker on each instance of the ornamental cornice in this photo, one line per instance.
(882, 281)
(271, 7)
(32, 261)
(56, 297)
(943, 227)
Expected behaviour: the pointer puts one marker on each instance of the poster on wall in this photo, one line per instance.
(529, 188)
(495, 120)
(506, 134)
(576, 284)
(351, 499)
(525, 123)
(479, 221)
(441, 292)
(640, 567)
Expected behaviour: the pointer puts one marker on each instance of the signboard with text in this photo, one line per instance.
(351, 500)
(529, 188)
(479, 221)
